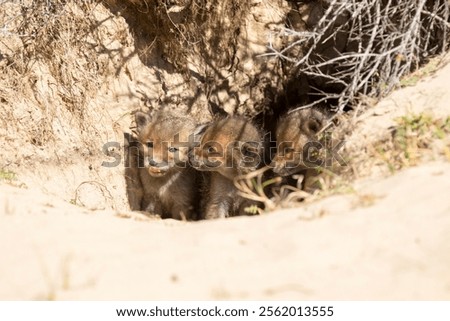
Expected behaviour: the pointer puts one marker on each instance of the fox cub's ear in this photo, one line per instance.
(199, 131)
(142, 119)
(216, 111)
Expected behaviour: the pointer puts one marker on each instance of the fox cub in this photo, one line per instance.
(298, 143)
(163, 182)
(226, 148)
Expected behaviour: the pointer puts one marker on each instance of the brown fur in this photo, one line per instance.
(133, 182)
(168, 183)
(228, 147)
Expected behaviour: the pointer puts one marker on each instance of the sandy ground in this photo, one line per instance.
(388, 240)
(396, 247)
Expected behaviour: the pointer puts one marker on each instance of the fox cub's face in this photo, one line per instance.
(297, 141)
(163, 142)
(231, 146)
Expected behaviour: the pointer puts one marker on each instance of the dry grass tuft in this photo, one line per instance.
(52, 37)
(414, 139)
(181, 29)
(271, 192)
(46, 63)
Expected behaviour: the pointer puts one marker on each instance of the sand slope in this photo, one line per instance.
(337, 248)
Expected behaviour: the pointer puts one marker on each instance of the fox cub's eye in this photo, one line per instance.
(150, 144)
(313, 125)
(211, 149)
(288, 150)
(173, 149)
(249, 150)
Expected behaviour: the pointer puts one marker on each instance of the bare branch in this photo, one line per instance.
(363, 48)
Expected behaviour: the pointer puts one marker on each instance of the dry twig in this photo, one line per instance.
(365, 47)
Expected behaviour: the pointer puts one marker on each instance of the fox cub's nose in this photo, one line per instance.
(193, 159)
(155, 163)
